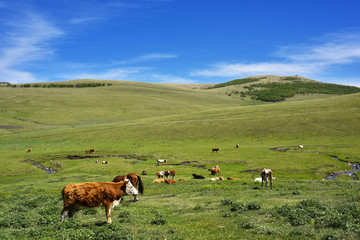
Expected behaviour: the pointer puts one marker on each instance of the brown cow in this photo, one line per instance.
(215, 150)
(170, 173)
(135, 180)
(266, 175)
(169, 181)
(88, 151)
(29, 150)
(214, 170)
(94, 194)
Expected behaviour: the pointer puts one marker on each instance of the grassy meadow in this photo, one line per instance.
(132, 124)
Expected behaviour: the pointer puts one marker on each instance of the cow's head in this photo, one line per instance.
(130, 189)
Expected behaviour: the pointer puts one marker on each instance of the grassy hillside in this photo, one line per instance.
(271, 88)
(131, 124)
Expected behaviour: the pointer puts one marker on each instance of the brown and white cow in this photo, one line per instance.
(160, 174)
(170, 173)
(266, 175)
(94, 194)
(215, 150)
(135, 180)
(88, 151)
(214, 170)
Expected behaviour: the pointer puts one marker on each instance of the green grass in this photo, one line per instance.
(154, 121)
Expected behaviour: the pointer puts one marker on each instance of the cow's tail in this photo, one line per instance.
(140, 184)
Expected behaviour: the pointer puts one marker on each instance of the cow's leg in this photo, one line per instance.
(64, 213)
(271, 183)
(136, 198)
(108, 212)
(72, 212)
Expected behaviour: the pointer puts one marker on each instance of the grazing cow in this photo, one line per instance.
(232, 179)
(214, 170)
(215, 150)
(161, 180)
(217, 179)
(104, 162)
(301, 147)
(94, 194)
(169, 181)
(198, 176)
(144, 173)
(88, 151)
(170, 173)
(237, 146)
(135, 180)
(266, 175)
(97, 161)
(160, 174)
(161, 161)
(29, 150)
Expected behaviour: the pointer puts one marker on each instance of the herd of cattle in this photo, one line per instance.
(109, 194)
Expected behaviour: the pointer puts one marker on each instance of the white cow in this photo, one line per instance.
(161, 161)
(301, 146)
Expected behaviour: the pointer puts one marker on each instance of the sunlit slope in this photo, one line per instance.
(99, 105)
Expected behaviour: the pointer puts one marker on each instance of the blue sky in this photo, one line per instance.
(179, 41)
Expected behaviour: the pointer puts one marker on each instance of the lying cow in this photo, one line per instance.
(135, 180)
(161, 180)
(232, 179)
(198, 176)
(170, 181)
(266, 175)
(95, 194)
(217, 179)
(161, 161)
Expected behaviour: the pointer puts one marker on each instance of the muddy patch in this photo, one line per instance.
(130, 156)
(192, 163)
(252, 170)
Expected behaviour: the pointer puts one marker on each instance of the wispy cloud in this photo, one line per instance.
(27, 41)
(147, 58)
(171, 79)
(112, 74)
(335, 49)
(84, 20)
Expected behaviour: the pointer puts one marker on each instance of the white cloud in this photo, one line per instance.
(147, 58)
(335, 49)
(238, 69)
(171, 79)
(84, 20)
(112, 74)
(27, 41)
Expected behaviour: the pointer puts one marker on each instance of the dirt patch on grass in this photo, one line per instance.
(130, 156)
(10, 127)
(252, 170)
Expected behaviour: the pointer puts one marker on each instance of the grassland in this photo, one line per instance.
(150, 121)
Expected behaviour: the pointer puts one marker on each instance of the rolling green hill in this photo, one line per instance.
(131, 124)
